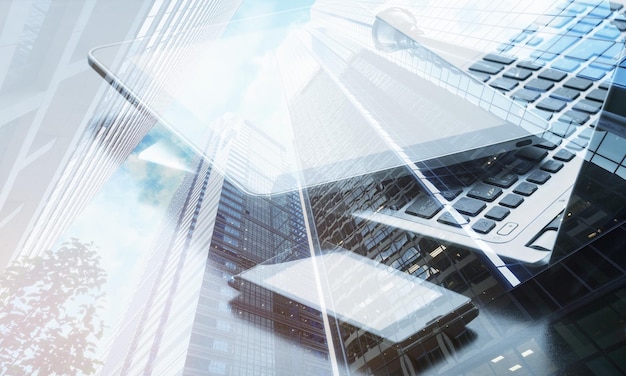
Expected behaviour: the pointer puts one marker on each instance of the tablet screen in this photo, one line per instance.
(371, 296)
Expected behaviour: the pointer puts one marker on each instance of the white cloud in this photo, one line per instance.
(124, 225)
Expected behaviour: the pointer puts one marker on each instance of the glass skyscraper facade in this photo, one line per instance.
(237, 278)
(185, 317)
(64, 133)
(511, 310)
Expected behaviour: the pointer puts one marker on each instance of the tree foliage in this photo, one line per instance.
(49, 306)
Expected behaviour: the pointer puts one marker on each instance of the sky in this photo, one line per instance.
(124, 217)
(241, 65)
(237, 74)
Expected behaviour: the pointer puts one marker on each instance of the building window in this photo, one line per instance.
(220, 345)
(218, 368)
(231, 241)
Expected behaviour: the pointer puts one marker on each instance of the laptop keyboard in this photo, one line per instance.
(567, 55)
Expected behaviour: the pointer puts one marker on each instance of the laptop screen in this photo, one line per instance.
(598, 202)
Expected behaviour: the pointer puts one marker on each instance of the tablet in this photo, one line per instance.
(368, 295)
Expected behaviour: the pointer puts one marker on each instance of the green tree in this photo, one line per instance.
(49, 306)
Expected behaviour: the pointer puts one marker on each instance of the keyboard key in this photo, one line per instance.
(502, 181)
(503, 84)
(574, 8)
(424, 207)
(552, 75)
(482, 77)
(580, 142)
(586, 105)
(578, 83)
(563, 130)
(534, 41)
(538, 177)
(531, 153)
(604, 63)
(552, 166)
(615, 6)
(608, 32)
(551, 137)
(589, 48)
(539, 84)
(451, 194)
(486, 67)
(574, 117)
(497, 213)
(591, 73)
(523, 167)
(484, 192)
(483, 226)
(518, 73)
(609, 58)
(551, 104)
(555, 46)
(565, 94)
(597, 95)
(448, 219)
(586, 133)
(567, 65)
(526, 95)
(574, 146)
(525, 188)
(581, 28)
(592, 21)
(529, 65)
(506, 60)
(549, 141)
(469, 206)
(511, 200)
(601, 11)
(564, 155)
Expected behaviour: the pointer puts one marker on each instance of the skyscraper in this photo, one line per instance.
(64, 131)
(552, 306)
(55, 115)
(181, 318)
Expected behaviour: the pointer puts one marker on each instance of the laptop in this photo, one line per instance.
(499, 195)
(510, 204)
(378, 307)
